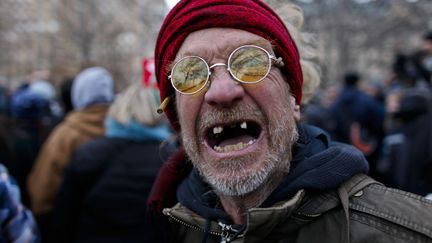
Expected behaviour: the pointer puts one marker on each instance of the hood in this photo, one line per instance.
(92, 86)
(43, 88)
(89, 120)
(27, 104)
(136, 131)
(318, 164)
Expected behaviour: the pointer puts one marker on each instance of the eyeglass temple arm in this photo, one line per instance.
(164, 104)
(278, 61)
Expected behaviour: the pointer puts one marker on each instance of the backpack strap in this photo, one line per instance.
(317, 203)
(357, 183)
(348, 189)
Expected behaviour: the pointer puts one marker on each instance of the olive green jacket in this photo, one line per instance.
(361, 210)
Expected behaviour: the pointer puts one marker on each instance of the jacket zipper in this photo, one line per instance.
(176, 219)
(227, 235)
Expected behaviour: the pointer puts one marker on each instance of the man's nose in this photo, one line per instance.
(224, 90)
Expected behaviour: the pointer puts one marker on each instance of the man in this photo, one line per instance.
(231, 85)
(359, 120)
(92, 93)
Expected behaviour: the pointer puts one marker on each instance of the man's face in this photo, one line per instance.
(238, 136)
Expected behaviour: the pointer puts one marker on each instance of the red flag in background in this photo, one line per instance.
(149, 78)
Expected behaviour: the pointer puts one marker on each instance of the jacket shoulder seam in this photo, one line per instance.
(401, 193)
(415, 226)
(387, 230)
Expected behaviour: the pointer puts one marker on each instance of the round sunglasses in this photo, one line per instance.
(247, 64)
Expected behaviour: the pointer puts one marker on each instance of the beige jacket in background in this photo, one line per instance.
(47, 173)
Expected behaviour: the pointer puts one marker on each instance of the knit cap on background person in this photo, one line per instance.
(26, 104)
(45, 89)
(92, 86)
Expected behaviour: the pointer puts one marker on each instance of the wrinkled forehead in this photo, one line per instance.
(219, 42)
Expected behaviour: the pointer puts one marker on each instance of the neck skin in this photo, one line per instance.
(237, 206)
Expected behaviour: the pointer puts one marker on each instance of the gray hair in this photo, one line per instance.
(293, 18)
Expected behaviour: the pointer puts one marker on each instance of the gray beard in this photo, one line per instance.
(227, 177)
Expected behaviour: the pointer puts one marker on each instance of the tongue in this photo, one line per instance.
(236, 140)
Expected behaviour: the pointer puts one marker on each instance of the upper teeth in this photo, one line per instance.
(219, 129)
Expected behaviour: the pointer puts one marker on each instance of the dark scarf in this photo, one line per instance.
(318, 164)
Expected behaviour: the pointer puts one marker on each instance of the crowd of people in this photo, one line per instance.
(79, 149)
(237, 156)
(389, 121)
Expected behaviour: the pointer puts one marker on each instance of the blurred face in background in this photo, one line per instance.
(239, 136)
(393, 102)
(427, 45)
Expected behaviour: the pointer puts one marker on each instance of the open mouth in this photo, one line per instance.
(233, 137)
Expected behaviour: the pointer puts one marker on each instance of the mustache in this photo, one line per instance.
(217, 116)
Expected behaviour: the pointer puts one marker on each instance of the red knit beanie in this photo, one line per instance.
(253, 16)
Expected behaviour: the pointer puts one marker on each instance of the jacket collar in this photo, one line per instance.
(261, 221)
(285, 216)
(317, 165)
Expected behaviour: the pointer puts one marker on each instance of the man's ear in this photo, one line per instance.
(296, 109)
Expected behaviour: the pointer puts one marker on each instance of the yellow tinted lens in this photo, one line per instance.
(249, 64)
(189, 74)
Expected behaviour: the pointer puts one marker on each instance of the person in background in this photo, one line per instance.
(407, 153)
(34, 113)
(317, 113)
(423, 61)
(359, 120)
(28, 108)
(105, 188)
(231, 82)
(17, 224)
(92, 93)
(413, 70)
